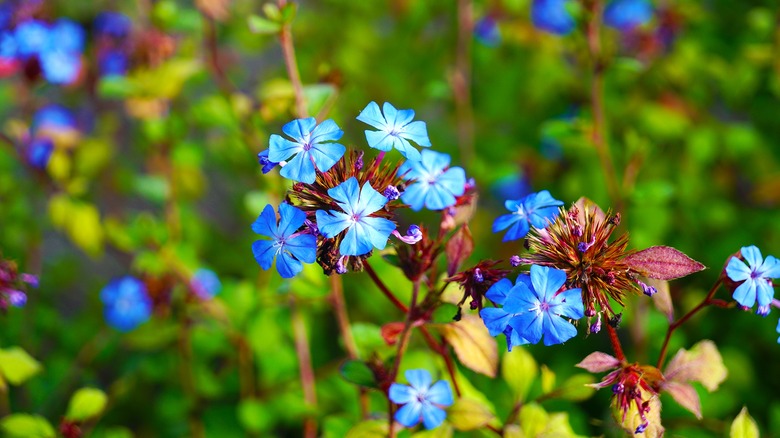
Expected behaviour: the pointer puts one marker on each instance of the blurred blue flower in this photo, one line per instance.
(363, 231)
(113, 24)
(38, 152)
(205, 283)
(113, 63)
(126, 303)
(7, 45)
(52, 120)
(17, 298)
(552, 16)
(535, 209)
(6, 14)
(514, 186)
(421, 401)
(395, 130)
(756, 278)
(66, 36)
(60, 67)
(435, 184)
(486, 31)
(625, 15)
(313, 146)
(540, 308)
(497, 319)
(32, 38)
(778, 331)
(290, 246)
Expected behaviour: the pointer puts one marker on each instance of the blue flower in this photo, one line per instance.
(126, 303)
(113, 63)
(267, 164)
(7, 46)
(486, 31)
(395, 130)
(53, 119)
(17, 298)
(756, 278)
(497, 319)
(357, 204)
(535, 209)
(60, 67)
(552, 16)
(66, 36)
(291, 248)
(205, 284)
(32, 38)
(113, 24)
(313, 146)
(540, 308)
(39, 151)
(436, 184)
(421, 400)
(625, 15)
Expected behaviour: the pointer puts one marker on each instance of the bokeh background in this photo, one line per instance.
(150, 170)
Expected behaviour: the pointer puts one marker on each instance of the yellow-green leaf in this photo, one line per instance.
(85, 229)
(26, 426)
(468, 414)
(548, 379)
(702, 364)
(17, 366)
(744, 426)
(577, 387)
(369, 429)
(473, 344)
(86, 403)
(533, 420)
(519, 370)
(444, 431)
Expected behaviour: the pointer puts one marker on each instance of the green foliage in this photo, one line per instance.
(86, 403)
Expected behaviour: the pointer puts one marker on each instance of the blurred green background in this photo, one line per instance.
(162, 179)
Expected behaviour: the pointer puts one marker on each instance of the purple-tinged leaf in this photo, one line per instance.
(663, 263)
(459, 249)
(702, 363)
(598, 362)
(685, 395)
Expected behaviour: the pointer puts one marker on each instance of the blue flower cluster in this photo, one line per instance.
(536, 209)
(112, 31)
(51, 125)
(554, 16)
(56, 46)
(126, 303)
(421, 400)
(352, 210)
(535, 306)
(755, 277)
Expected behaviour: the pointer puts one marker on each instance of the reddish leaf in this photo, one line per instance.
(459, 248)
(663, 263)
(598, 362)
(391, 331)
(685, 395)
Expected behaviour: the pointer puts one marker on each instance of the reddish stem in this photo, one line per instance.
(302, 350)
(613, 337)
(288, 52)
(375, 278)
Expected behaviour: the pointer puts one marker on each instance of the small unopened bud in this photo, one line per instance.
(341, 265)
(312, 227)
(618, 388)
(590, 311)
(17, 298)
(413, 235)
(514, 261)
(596, 326)
(642, 427)
(576, 231)
(391, 193)
(647, 289)
(762, 310)
(478, 276)
(470, 184)
(30, 279)
(359, 162)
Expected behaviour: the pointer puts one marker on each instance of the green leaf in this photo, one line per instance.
(86, 403)
(263, 26)
(444, 431)
(288, 12)
(744, 426)
(548, 379)
(468, 414)
(253, 415)
(473, 344)
(576, 388)
(115, 87)
(84, 228)
(17, 366)
(519, 370)
(26, 426)
(369, 429)
(533, 420)
(359, 373)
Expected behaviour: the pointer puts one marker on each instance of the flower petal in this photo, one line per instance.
(356, 242)
(380, 140)
(265, 224)
(498, 291)
(752, 255)
(571, 304)
(287, 266)
(372, 115)
(406, 149)
(327, 155)
(737, 270)
(496, 320)
(453, 180)
(326, 131)
(432, 416)
(331, 223)
(264, 252)
(300, 168)
(303, 247)
(546, 281)
(347, 194)
(770, 268)
(557, 330)
(765, 292)
(401, 394)
(299, 129)
(420, 379)
(415, 196)
(291, 218)
(520, 299)
(437, 198)
(745, 294)
(280, 149)
(504, 221)
(528, 325)
(370, 200)
(377, 230)
(440, 393)
(409, 414)
(418, 133)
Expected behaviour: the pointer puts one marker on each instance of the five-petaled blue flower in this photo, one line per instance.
(363, 231)
(535, 209)
(541, 308)
(552, 16)
(126, 303)
(497, 319)
(436, 184)
(313, 147)
(291, 248)
(421, 400)
(395, 129)
(205, 284)
(756, 276)
(625, 15)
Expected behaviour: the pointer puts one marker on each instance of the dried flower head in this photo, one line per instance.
(577, 242)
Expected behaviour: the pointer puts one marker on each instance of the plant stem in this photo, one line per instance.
(442, 350)
(613, 338)
(188, 381)
(288, 52)
(302, 350)
(403, 343)
(342, 317)
(371, 273)
(598, 135)
(673, 326)
(461, 81)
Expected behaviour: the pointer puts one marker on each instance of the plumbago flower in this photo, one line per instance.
(12, 285)
(435, 185)
(395, 130)
(364, 232)
(536, 209)
(126, 303)
(535, 306)
(313, 147)
(755, 277)
(552, 16)
(625, 15)
(578, 242)
(288, 246)
(635, 388)
(205, 284)
(421, 400)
